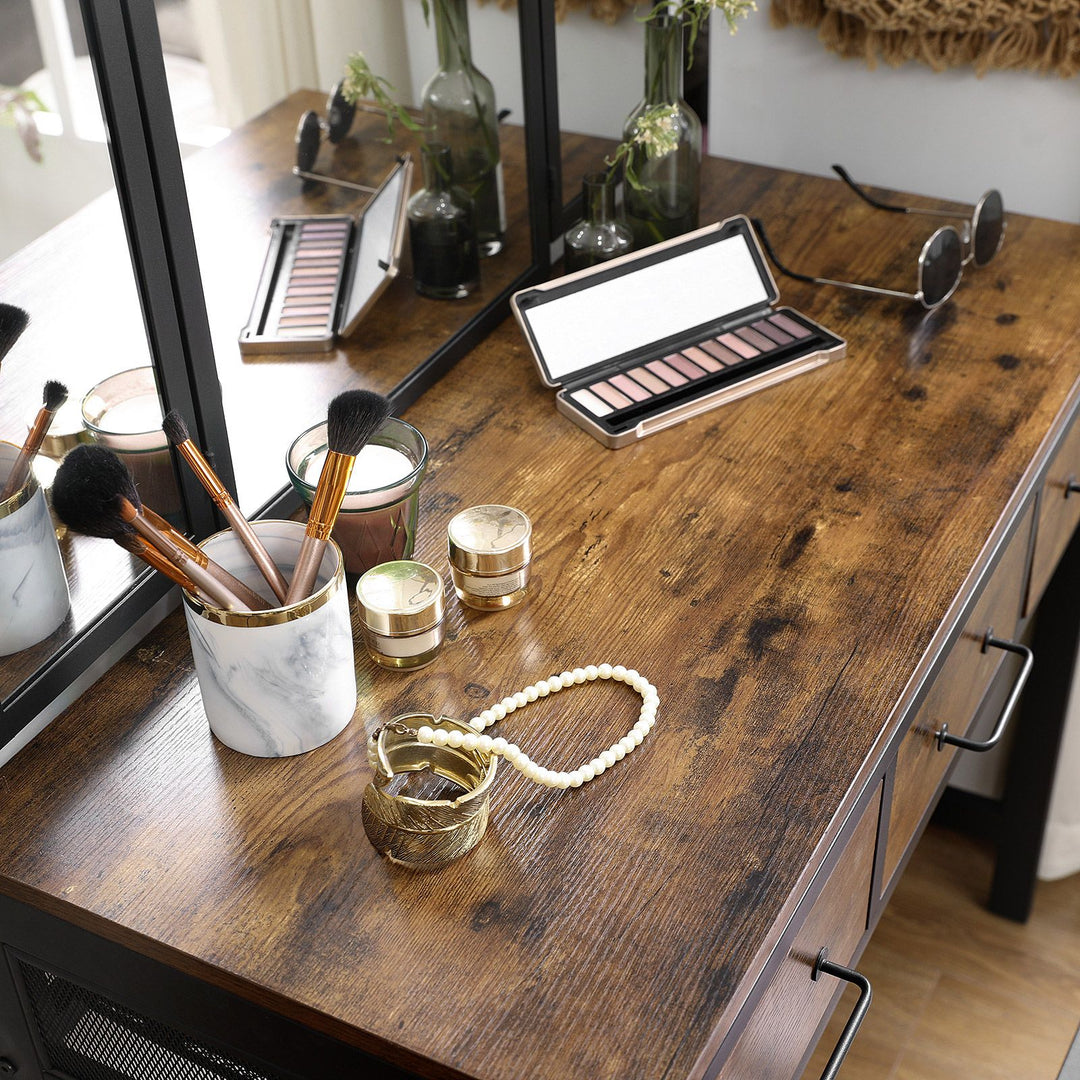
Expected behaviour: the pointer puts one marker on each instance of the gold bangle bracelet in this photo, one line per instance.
(425, 833)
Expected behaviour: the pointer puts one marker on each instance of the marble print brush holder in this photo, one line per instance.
(33, 588)
(281, 681)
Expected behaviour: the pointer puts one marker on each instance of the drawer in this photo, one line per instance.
(953, 700)
(789, 1012)
(1059, 513)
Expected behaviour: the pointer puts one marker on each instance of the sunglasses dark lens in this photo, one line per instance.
(940, 266)
(989, 228)
(308, 137)
(339, 115)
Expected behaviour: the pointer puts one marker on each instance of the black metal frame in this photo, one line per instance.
(125, 49)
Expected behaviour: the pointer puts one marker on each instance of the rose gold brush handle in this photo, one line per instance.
(220, 594)
(324, 511)
(21, 469)
(220, 494)
(137, 546)
(252, 600)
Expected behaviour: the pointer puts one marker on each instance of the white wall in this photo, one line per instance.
(778, 97)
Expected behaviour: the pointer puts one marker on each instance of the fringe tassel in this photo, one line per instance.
(1045, 44)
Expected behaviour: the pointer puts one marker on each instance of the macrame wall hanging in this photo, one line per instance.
(1037, 35)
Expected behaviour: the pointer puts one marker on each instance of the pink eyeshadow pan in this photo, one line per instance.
(773, 333)
(737, 345)
(790, 325)
(702, 358)
(678, 361)
(668, 374)
(293, 311)
(721, 352)
(305, 252)
(610, 395)
(649, 380)
(748, 333)
(630, 388)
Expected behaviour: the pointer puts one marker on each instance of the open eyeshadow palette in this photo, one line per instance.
(323, 273)
(655, 337)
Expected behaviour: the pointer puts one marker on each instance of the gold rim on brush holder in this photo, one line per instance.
(424, 834)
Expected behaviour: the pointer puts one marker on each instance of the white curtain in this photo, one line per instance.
(256, 54)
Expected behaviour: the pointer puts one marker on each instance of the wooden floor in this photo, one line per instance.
(960, 994)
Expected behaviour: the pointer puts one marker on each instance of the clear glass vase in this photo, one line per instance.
(664, 201)
(601, 234)
(442, 231)
(458, 105)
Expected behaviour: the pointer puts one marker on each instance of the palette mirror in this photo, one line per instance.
(163, 271)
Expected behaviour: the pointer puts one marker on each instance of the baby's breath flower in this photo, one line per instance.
(657, 130)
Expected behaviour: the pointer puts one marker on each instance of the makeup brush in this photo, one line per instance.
(177, 432)
(352, 418)
(13, 322)
(93, 493)
(135, 545)
(54, 396)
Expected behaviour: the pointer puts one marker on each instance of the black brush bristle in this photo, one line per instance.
(54, 395)
(176, 431)
(13, 321)
(353, 417)
(86, 491)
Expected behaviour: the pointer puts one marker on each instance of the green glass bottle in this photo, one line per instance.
(458, 105)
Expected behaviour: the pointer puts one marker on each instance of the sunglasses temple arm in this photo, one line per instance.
(297, 171)
(760, 230)
(865, 195)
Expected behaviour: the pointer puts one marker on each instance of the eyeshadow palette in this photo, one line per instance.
(323, 273)
(655, 337)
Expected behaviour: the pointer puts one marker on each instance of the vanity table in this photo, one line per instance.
(809, 576)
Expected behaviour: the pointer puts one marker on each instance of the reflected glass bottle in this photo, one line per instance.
(442, 231)
(665, 203)
(600, 235)
(458, 106)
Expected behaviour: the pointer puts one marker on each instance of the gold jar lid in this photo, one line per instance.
(489, 540)
(399, 598)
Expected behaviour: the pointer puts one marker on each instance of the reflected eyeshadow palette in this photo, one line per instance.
(323, 273)
(655, 337)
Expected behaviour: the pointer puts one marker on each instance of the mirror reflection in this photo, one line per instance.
(64, 261)
(262, 230)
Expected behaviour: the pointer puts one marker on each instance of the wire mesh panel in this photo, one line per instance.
(85, 1036)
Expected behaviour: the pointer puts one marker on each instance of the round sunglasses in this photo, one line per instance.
(940, 266)
(309, 136)
(983, 229)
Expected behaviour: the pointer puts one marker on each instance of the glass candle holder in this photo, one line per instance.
(281, 681)
(489, 548)
(401, 613)
(33, 587)
(377, 521)
(123, 412)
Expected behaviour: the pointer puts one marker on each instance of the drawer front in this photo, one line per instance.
(953, 700)
(787, 1015)
(1059, 513)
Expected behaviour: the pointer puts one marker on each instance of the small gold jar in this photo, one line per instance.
(489, 548)
(401, 613)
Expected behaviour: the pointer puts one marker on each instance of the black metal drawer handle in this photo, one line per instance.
(824, 966)
(991, 642)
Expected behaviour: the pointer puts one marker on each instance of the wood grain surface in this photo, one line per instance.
(783, 569)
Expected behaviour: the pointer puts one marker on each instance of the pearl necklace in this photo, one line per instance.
(650, 701)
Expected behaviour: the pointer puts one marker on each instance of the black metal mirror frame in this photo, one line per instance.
(125, 50)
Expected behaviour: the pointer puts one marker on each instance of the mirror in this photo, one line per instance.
(193, 287)
(261, 78)
(592, 110)
(67, 263)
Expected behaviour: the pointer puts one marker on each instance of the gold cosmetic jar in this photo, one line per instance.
(401, 613)
(489, 548)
